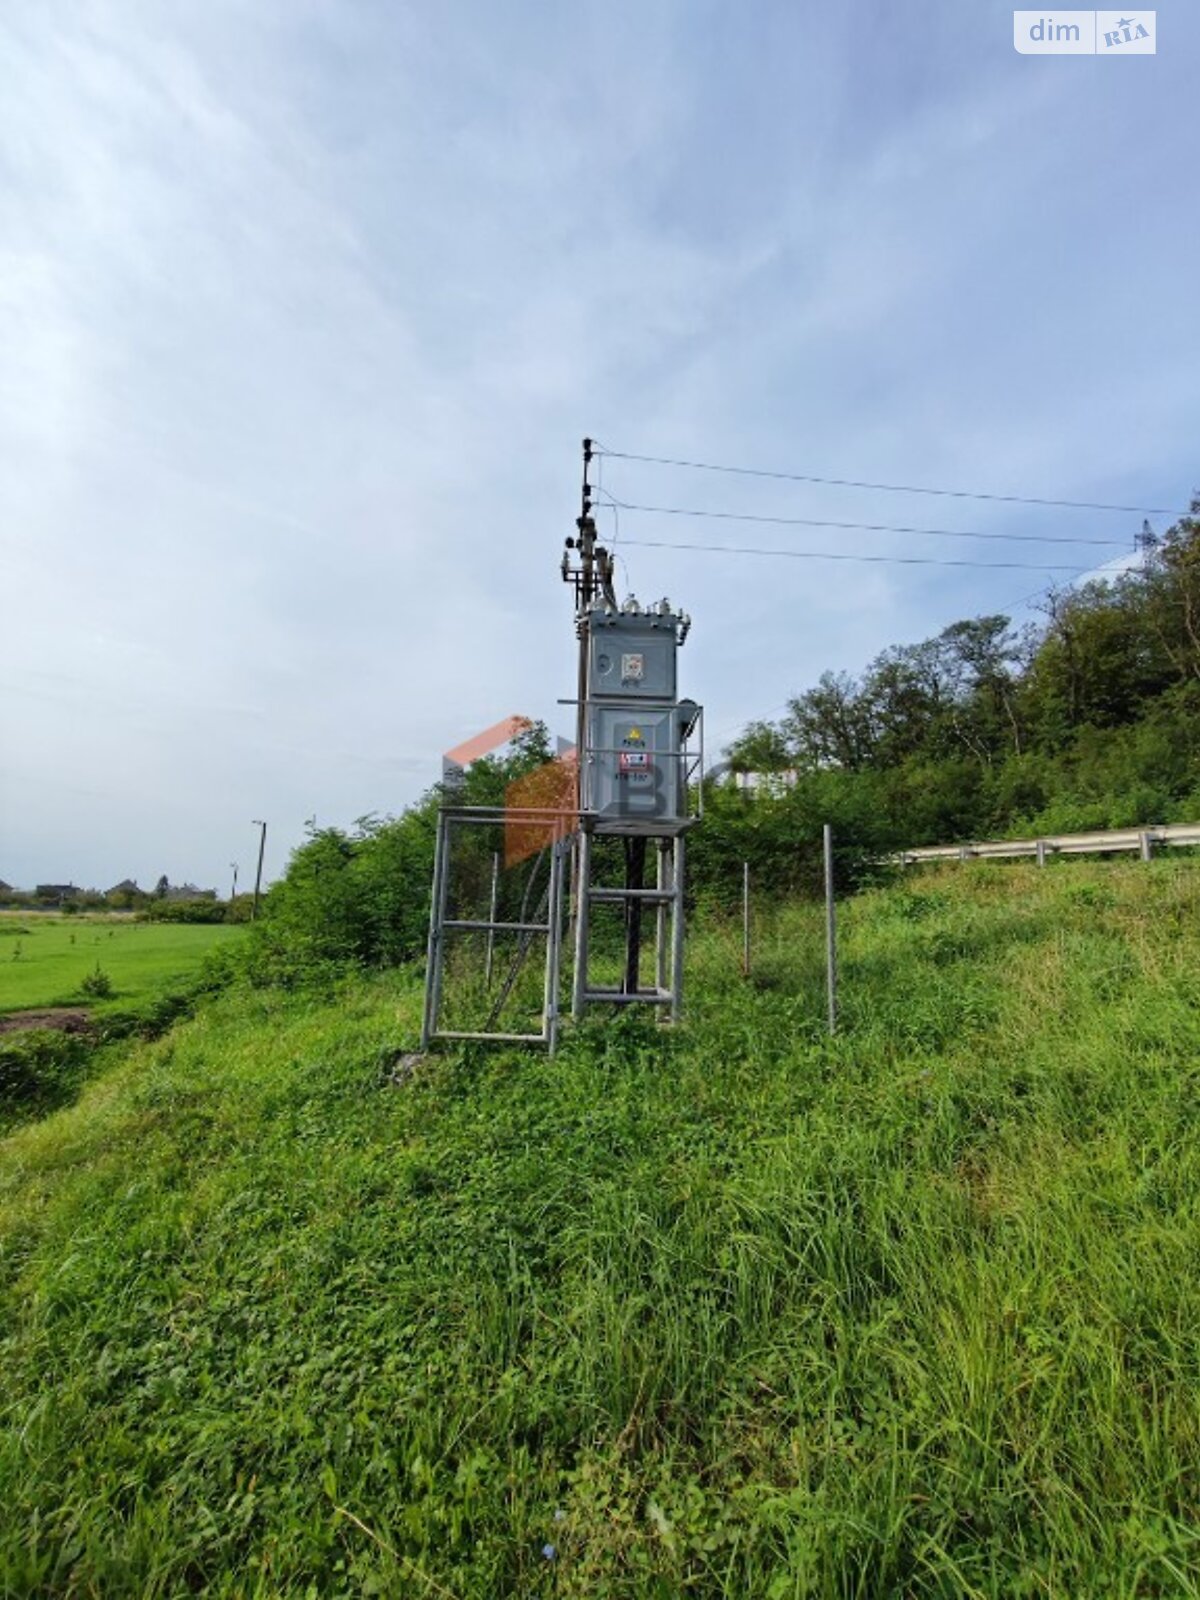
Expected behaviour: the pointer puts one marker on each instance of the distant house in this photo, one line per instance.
(60, 893)
(188, 891)
(770, 783)
(126, 886)
(6, 888)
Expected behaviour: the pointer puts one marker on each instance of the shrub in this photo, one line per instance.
(185, 911)
(40, 1068)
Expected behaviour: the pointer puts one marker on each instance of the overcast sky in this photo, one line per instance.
(305, 308)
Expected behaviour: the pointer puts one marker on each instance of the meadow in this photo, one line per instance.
(727, 1310)
(45, 959)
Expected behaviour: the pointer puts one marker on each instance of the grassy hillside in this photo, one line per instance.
(43, 960)
(731, 1311)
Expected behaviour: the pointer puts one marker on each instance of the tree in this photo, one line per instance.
(761, 747)
(830, 725)
(984, 649)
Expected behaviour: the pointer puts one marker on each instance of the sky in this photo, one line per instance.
(306, 305)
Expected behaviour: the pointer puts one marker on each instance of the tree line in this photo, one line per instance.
(1088, 718)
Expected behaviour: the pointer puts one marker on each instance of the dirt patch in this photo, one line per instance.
(68, 1019)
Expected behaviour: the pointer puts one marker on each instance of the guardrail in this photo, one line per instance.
(1103, 842)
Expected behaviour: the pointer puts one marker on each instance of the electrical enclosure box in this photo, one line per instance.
(632, 657)
(633, 773)
(633, 778)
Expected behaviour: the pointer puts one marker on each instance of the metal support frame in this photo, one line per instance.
(559, 824)
(666, 899)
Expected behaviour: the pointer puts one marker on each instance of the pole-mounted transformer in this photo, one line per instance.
(639, 758)
(639, 750)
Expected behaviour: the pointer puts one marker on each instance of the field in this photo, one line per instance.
(43, 960)
(729, 1311)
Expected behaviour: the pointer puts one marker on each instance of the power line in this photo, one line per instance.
(832, 555)
(888, 488)
(860, 527)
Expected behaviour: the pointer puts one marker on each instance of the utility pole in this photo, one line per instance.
(233, 891)
(593, 572)
(262, 845)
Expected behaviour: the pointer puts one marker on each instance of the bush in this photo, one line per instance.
(361, 897)
(39, 1069)
(239, 909)
(97, 985)
(185, 911)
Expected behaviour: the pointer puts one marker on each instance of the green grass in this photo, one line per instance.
(44, 960)
(731, 1311)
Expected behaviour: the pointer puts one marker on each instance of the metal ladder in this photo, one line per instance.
(666, 900)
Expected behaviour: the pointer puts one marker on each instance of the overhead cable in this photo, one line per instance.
(838, 555)
(860, 527)
(888, 488)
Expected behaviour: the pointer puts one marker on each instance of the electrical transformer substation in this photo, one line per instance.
(571, 849)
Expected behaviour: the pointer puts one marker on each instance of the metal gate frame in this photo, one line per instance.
(559, 825)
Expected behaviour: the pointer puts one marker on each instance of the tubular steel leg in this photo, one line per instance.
(635, 872)
(433, 957)
(678, 884)
(572, 848)
(554, 942)
(662, 873)
(439, 966)
(583, 882)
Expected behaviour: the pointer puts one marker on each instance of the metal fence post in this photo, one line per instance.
(1145, 846)
(745, 919)
(830, 933)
